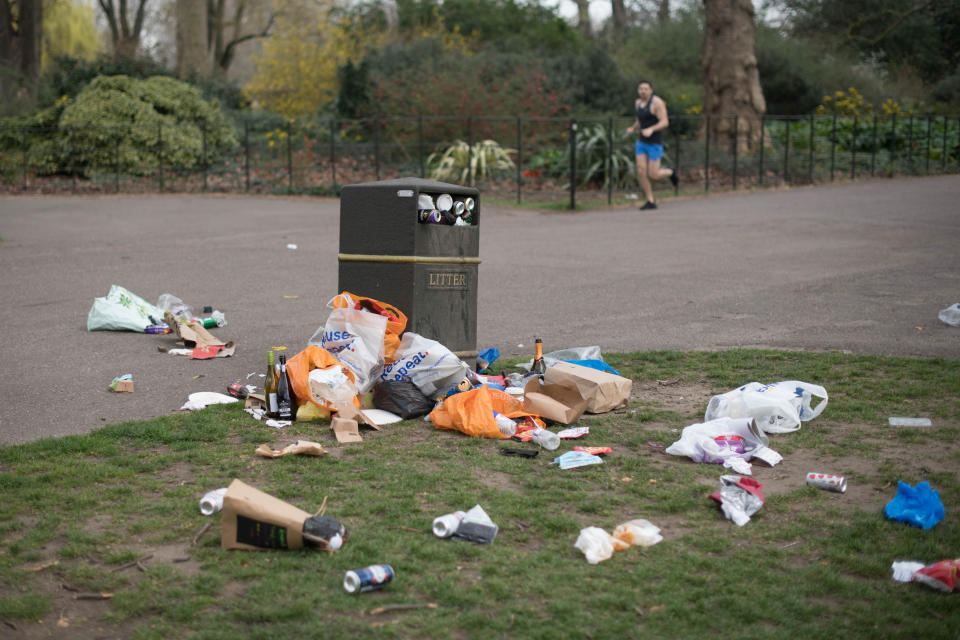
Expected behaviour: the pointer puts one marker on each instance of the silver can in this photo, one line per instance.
(827, 482)
(376, 576)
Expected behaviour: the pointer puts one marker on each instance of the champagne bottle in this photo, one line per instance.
(539, 366)
(286, 407)
(270, 387)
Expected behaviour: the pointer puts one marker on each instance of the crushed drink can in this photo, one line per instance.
(431, 216)
(827, 482)
(367, 579)
(446, 525)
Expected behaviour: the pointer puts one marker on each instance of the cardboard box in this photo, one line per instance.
(604, 391)
(255, 401)
(345, 430)
(560, 402)
(256, 520)
(123, 386)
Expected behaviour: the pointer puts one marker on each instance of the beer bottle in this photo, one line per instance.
(270, 387)
(286, 407)
(539, 366)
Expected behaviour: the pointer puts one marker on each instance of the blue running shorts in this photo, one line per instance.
(652, 151)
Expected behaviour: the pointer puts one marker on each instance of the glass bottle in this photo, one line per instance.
(270, 387)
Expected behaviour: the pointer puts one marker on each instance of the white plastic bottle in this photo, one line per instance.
(212, 501)
(546, 439)
(507, 426)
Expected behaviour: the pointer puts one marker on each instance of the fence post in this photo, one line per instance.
(73, 163)
(469, 152)
(289, 157)
(573, 165)
(706, 159)
(763, 135)
(246, 154)
(873, 147)
(609, 160)
(116, 161)
(893, 145)
(519, 158)
(736, 148)
(786, 152)
(910, 143)
(943, 155)
(812, 141)
(23, 154)
(333, 154)
(927, 164)
(203, 132)
(833, 147)
(853, 151)
(676, 166)
(160, 154)
(423, 171)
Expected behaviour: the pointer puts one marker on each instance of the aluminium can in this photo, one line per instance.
(376, 576)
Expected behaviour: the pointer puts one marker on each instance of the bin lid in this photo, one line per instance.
(418, 184)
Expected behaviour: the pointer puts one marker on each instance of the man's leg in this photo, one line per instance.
(654, 172)
(642, 169)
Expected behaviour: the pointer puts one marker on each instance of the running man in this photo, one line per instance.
(651, 120)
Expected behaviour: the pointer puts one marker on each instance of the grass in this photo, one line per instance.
(809, 560)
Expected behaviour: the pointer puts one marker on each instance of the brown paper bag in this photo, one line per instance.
(345, 429)
(560, 402)
(300, 447)
(604, 391)
(256, 520)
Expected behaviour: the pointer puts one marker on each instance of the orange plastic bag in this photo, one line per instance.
(396, 320)
(300, 366)
(471, 412)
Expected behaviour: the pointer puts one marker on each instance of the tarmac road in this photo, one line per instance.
(862, 267)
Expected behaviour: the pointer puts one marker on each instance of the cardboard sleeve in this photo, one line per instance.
(256, 520)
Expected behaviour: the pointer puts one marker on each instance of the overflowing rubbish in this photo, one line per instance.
(486, 358)
(446, 210)
(731, 442)
(300, 447)
(941, 576)
(202, 343)
(446, 525)
(121, 310)
(827, 482)
(255, 520)
(919, 506)
(574, 459)
(561, 355)
(597, 545)
(472, 412)
(476, 526)
(122, 384)
(778, 408)
(427, 363)
(375, 576)
(951, 315)
(212, 501)
(739, 498)
(401, 397)
(203, 399)
(909, 422)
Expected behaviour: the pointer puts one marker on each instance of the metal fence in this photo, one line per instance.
(521, 159)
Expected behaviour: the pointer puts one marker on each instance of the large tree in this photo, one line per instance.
(208, 33)
(124, 32)
(21, 29)
(731, 82)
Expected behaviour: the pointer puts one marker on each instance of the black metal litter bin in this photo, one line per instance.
(428, 271)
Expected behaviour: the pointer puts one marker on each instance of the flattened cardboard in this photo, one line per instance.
(345, 430)
(256, 520)
(255, 401)
(194, 333)
(123, 386)
(560, 402)
(604, 391)
(300, 447)
(352, 412)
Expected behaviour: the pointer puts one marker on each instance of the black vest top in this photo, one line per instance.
(647, 119)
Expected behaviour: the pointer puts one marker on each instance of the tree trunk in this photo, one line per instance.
(124, 35)
(191, 38)
(731, 83)
(618, 16)
(663, 12)
(229, 24)
(584, 24)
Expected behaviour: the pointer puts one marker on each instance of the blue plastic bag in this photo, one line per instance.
(599, 365)
(920, 506)
(486, 358)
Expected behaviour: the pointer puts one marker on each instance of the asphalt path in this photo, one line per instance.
(861, 268)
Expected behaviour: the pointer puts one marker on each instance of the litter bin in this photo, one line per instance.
(428, 271)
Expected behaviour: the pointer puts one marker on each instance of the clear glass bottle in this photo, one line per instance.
(270, 387)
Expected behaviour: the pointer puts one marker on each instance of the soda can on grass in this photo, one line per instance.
(367, 579)
(827, 482)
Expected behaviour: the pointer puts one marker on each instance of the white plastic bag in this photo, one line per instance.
(427, 363)
(778, 408)
(595, 543)
(121, 310)
(331, 386)
(355, 338)
(572, 353)
(636, 533)
(950, 315)
(732, 442)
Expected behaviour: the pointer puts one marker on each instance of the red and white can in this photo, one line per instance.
(827, 482)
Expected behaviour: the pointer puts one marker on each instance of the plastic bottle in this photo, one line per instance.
(546, 439)
(220, 318)
(507, 426)
(212, 502)
(446, 525)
